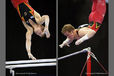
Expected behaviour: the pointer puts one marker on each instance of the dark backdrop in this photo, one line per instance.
(76, 12)
(15, 32)
(42, 48)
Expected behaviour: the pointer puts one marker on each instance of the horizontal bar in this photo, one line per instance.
(75, 53)
(30, 61)
(45, 60)
(30, 65)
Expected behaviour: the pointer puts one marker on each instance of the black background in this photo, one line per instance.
(15, 32)
(76, 12)
(42, 48)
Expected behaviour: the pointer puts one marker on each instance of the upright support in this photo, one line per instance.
(12, 72)
(89, 65)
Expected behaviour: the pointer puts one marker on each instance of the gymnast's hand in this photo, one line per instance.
(31, 56)
(61, 45)
(64, 44)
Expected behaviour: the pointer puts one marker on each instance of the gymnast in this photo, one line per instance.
(32, 21)
(86, 31)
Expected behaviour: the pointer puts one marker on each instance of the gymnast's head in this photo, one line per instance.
(69, 31)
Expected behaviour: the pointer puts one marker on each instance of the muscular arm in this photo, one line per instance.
(65, 43)
(87, 35)
(28, 40)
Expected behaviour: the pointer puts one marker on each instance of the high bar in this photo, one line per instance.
(30, 61)
(30, 65)
(75, 53)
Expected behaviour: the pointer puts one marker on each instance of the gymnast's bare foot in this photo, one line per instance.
(46, 31)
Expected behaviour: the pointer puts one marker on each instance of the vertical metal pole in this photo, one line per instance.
(89, 65)
(12, 72)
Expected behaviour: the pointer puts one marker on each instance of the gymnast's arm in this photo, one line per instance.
(66, 43)
(28, 40)
(90, 33)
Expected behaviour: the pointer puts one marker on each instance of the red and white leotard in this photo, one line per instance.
(97, 14)
(98, 11)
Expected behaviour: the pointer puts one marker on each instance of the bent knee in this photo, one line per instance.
(46, 16)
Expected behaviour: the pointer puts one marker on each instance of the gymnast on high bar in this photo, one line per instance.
(86, 31)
